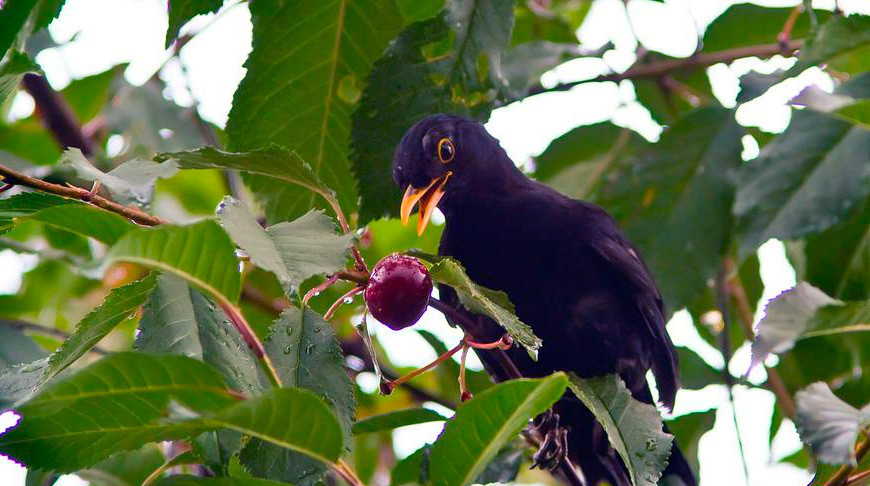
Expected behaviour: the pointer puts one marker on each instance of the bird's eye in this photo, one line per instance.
(446, 150)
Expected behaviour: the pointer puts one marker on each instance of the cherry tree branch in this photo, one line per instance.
(661, 68)
(842, 475)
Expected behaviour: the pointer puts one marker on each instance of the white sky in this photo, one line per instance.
(109, 32)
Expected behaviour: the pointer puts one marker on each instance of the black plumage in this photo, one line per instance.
(571, 273)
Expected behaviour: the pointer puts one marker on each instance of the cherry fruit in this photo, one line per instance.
(398, 291)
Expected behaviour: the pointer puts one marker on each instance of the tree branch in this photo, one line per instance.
(842, 475)
(660, 68)
(11, 176)
(56, 113)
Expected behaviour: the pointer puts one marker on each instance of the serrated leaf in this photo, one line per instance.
(843, 107)
(306, 354)
(181, 11)
(278, 165)
(829, 425)
(12, 70)
(685, 183)
(481, 426)
(838, 259)
(293, 251)
(803, 312)
(113, 405)
(129, 183)
(481, 300)
(299, 94)
(746, 24)
(633, 428)
(181, 480)
(576, 163)
(449, 63)
(838, 36)
(200, 253)
(396, 419)
(179, 320)
(66, 214)
(807, 179)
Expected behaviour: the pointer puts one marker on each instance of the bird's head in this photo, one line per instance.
(442, 158)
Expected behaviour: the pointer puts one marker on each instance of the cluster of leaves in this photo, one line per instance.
(255, 387)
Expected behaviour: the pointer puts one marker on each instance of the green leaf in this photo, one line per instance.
(746, 24)
(309, 62)
(683, 183)
(293, 251)
(13, 18)
(688, 430)
(634, 428)
(481, 300)
(274, 418)
(181, 11)
(396, 419)
(803, 312)
(86, 96)
(306, 354)
(843, 107)
(179, 320)
(66, 214)
(130, 183)
(279, 166)
(181, 480)
(11, 71)
(26, 141)
(575, 163)
(200, 253)
(481, 426)
(808, 179)
(449, 64)
(523, 64)
(119, 305)
(837, 37)
(695, 373)
(838, 259)
(829, 425)
(16, 347)
(113, 405)
(412, 469)
(124, 468)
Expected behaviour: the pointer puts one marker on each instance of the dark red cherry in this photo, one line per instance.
(398, 291)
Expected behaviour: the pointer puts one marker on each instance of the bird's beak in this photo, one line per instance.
(428, 197)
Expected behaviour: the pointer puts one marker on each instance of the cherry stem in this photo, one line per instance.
(388, 386)
(858, 477)
(504, 343)
(464, 394)
(335, 305)
(320, 288)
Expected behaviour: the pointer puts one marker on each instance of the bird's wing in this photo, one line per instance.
(632, 273)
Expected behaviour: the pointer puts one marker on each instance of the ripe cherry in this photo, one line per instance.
(398, 291)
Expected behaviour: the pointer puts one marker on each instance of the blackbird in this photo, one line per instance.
(571, 273)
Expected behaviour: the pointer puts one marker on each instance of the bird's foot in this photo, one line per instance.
(554, 447)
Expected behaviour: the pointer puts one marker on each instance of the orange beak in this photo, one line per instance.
(428, 197)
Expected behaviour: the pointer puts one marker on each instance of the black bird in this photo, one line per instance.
(571, 273)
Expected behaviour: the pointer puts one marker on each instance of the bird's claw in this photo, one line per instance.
(554, 447)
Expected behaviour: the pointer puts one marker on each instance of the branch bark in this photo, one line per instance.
(661, 68)
(57, 115)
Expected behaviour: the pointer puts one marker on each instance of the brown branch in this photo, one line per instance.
(11, 176)
(777, 386)
(858, 477)
(56, 113)
(47, 331)
(661, 68)
(841, 475)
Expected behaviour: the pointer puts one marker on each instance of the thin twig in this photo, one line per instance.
(389, 386)
(858, 477)
(12, 176)
(48, 331)
(661, 68)
(777, 386)
(841, 475)
(335, 305)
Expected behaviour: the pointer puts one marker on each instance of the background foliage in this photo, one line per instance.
(199, 242)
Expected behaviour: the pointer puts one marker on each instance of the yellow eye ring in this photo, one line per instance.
(445, 150)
